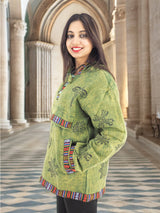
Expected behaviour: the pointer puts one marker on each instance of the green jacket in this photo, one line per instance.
(87, 129)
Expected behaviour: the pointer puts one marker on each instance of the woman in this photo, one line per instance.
(87, 126)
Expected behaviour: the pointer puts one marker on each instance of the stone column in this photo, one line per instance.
(110, 48)
(154, 20)
(144, 64)
(4, 83)
(41, 80)
(132, 61)
(121, 68)
(17, 33)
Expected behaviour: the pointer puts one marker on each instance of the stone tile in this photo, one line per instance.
(7, 209)
(133, 183)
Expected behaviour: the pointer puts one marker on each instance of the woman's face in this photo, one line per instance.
(78, 44)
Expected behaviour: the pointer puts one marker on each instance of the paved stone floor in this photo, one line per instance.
(133, 183)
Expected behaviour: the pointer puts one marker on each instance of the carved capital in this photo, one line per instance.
(18, 27)
(41, 44)
(4, 2)
(120, 13)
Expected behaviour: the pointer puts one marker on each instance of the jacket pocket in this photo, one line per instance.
(68, 156)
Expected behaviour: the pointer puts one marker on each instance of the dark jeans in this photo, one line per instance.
(66, 205)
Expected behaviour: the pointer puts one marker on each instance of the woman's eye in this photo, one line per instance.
(70, 36)
(83, 35)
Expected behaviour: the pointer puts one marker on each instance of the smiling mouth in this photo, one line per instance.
(76, 49)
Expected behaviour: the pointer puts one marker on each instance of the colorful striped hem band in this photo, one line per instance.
(71, 195)
(61, 121)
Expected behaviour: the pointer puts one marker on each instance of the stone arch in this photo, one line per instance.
(48, 11)
(43, 47)
(52, 18)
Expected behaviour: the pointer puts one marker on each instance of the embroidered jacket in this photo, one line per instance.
(87, 129)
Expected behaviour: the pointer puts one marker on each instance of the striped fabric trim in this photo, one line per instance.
(68, 156)
(71, 157)
(59, 92)
(61, 121)
(73, 195)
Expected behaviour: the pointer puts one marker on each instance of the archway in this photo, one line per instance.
(43, 50)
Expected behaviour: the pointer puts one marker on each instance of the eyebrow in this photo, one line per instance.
(79, 31)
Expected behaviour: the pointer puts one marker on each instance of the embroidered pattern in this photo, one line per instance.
(80, 68)
(79, 126)
(61, 121)
(87, 156)
(68, 156)
(78, 90)
(69, 194)
(103, 120)
(102, 140)
(53, 168)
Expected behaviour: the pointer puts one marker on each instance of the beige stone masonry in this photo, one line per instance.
(144, 64)
(4, 78)
(17, 33)
(41, 80)
(132, 61)
(154, 36)
(120, 43)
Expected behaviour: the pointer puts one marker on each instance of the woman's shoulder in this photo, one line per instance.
(99, 76)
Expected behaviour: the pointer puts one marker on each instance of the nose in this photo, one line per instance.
(76, 40)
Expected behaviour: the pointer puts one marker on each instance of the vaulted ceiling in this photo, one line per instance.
(46, 18)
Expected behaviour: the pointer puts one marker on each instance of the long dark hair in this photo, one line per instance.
(96, 57)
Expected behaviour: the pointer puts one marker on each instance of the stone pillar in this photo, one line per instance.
(154, 20)
(110, 49)
(144, 64)
(41, 80)
(121, 68)
(4, 83)
(17, 33)
(132, 61)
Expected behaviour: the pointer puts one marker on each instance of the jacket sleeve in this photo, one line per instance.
(103, 107)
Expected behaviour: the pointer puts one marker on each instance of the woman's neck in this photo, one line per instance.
(79, 69)
(78, 63)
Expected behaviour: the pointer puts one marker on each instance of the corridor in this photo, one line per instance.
(133, 183)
